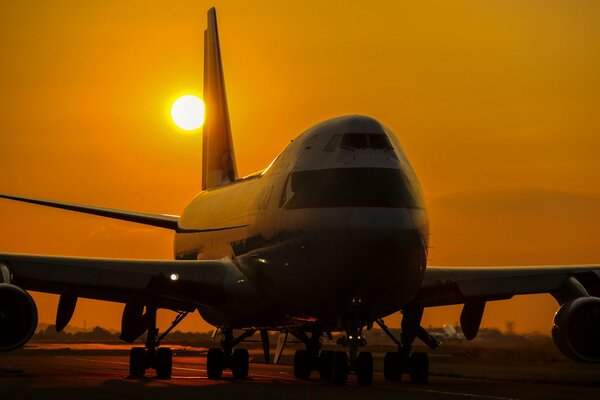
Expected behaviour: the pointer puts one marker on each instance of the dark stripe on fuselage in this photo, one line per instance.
(350, 187)
(223, 228)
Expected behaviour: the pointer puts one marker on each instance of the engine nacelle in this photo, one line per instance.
(576, 329)
(18, 317)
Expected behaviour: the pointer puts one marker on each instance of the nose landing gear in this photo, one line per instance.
(334, 366)
(361, 363)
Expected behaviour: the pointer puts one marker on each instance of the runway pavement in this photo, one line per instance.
(101, 375)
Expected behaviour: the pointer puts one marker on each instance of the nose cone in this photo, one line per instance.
(376, 255)
(351, 161)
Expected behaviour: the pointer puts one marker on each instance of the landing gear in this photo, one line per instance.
(325, 364)
(340, 368)
(219, 359)
(333, 366)
(153, 356)
(359, 364)
(215, 363)
(416, 365)
(240, 363)
(137, 362)
(302, 364)
(164, 362)
(364, 368)
(140, 359)
(309, 359)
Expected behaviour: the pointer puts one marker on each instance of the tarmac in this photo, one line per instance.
(90, 375)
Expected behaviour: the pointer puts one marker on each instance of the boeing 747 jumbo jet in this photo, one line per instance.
(331, 237)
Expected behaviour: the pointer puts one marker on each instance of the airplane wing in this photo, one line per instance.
(474, 286)
(458, 285)
(158, 220)
(177, 285)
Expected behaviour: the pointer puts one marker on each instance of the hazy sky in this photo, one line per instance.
(496, 103)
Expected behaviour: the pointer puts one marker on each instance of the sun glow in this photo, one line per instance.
(187, 112)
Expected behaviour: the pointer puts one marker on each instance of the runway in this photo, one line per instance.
(101, 375)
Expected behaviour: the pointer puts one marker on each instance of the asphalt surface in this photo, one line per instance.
(98, 375)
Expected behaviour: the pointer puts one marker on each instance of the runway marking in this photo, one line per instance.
(177, 368)
(471, 395)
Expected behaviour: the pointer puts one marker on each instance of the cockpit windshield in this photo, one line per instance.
(353, 141)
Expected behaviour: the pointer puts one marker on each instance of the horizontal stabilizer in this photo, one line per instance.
(158, 220)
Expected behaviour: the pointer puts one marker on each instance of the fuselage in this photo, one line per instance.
(333, 234)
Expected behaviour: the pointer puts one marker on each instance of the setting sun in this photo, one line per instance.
(187, 112)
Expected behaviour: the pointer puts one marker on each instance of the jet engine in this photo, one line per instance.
(18, 317)
(576, 329)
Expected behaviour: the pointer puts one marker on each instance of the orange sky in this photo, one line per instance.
(496, 104)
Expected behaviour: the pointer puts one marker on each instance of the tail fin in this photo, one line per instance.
(218, 158)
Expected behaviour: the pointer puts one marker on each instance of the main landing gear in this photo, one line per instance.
(403, 361)
(152, 355)
(226, 357)
(335, 366)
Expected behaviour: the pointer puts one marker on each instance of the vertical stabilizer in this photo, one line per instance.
(218, 158)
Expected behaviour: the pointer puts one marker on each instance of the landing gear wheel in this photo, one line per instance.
(302, 364)
(215, 363)
(137, 362)
(164, 362)
(392, 367)
(364, 368)
(240, 362)
(340, 368)
(419, 367)
(325, 364)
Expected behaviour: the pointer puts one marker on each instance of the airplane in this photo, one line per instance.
(331, 237)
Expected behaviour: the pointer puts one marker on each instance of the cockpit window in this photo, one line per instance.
(354, 141)
(380, 142)
(363, 141)
(334, 143)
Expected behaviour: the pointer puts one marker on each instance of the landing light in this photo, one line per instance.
(174, 277)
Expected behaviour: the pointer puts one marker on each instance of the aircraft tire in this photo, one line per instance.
(392, 367)
(137, 362)
(164, 362)
(325, 364)
(240, 363)
(364, 368)
(340, 368)
(302, 364)
(215, 363)
(419, 367)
